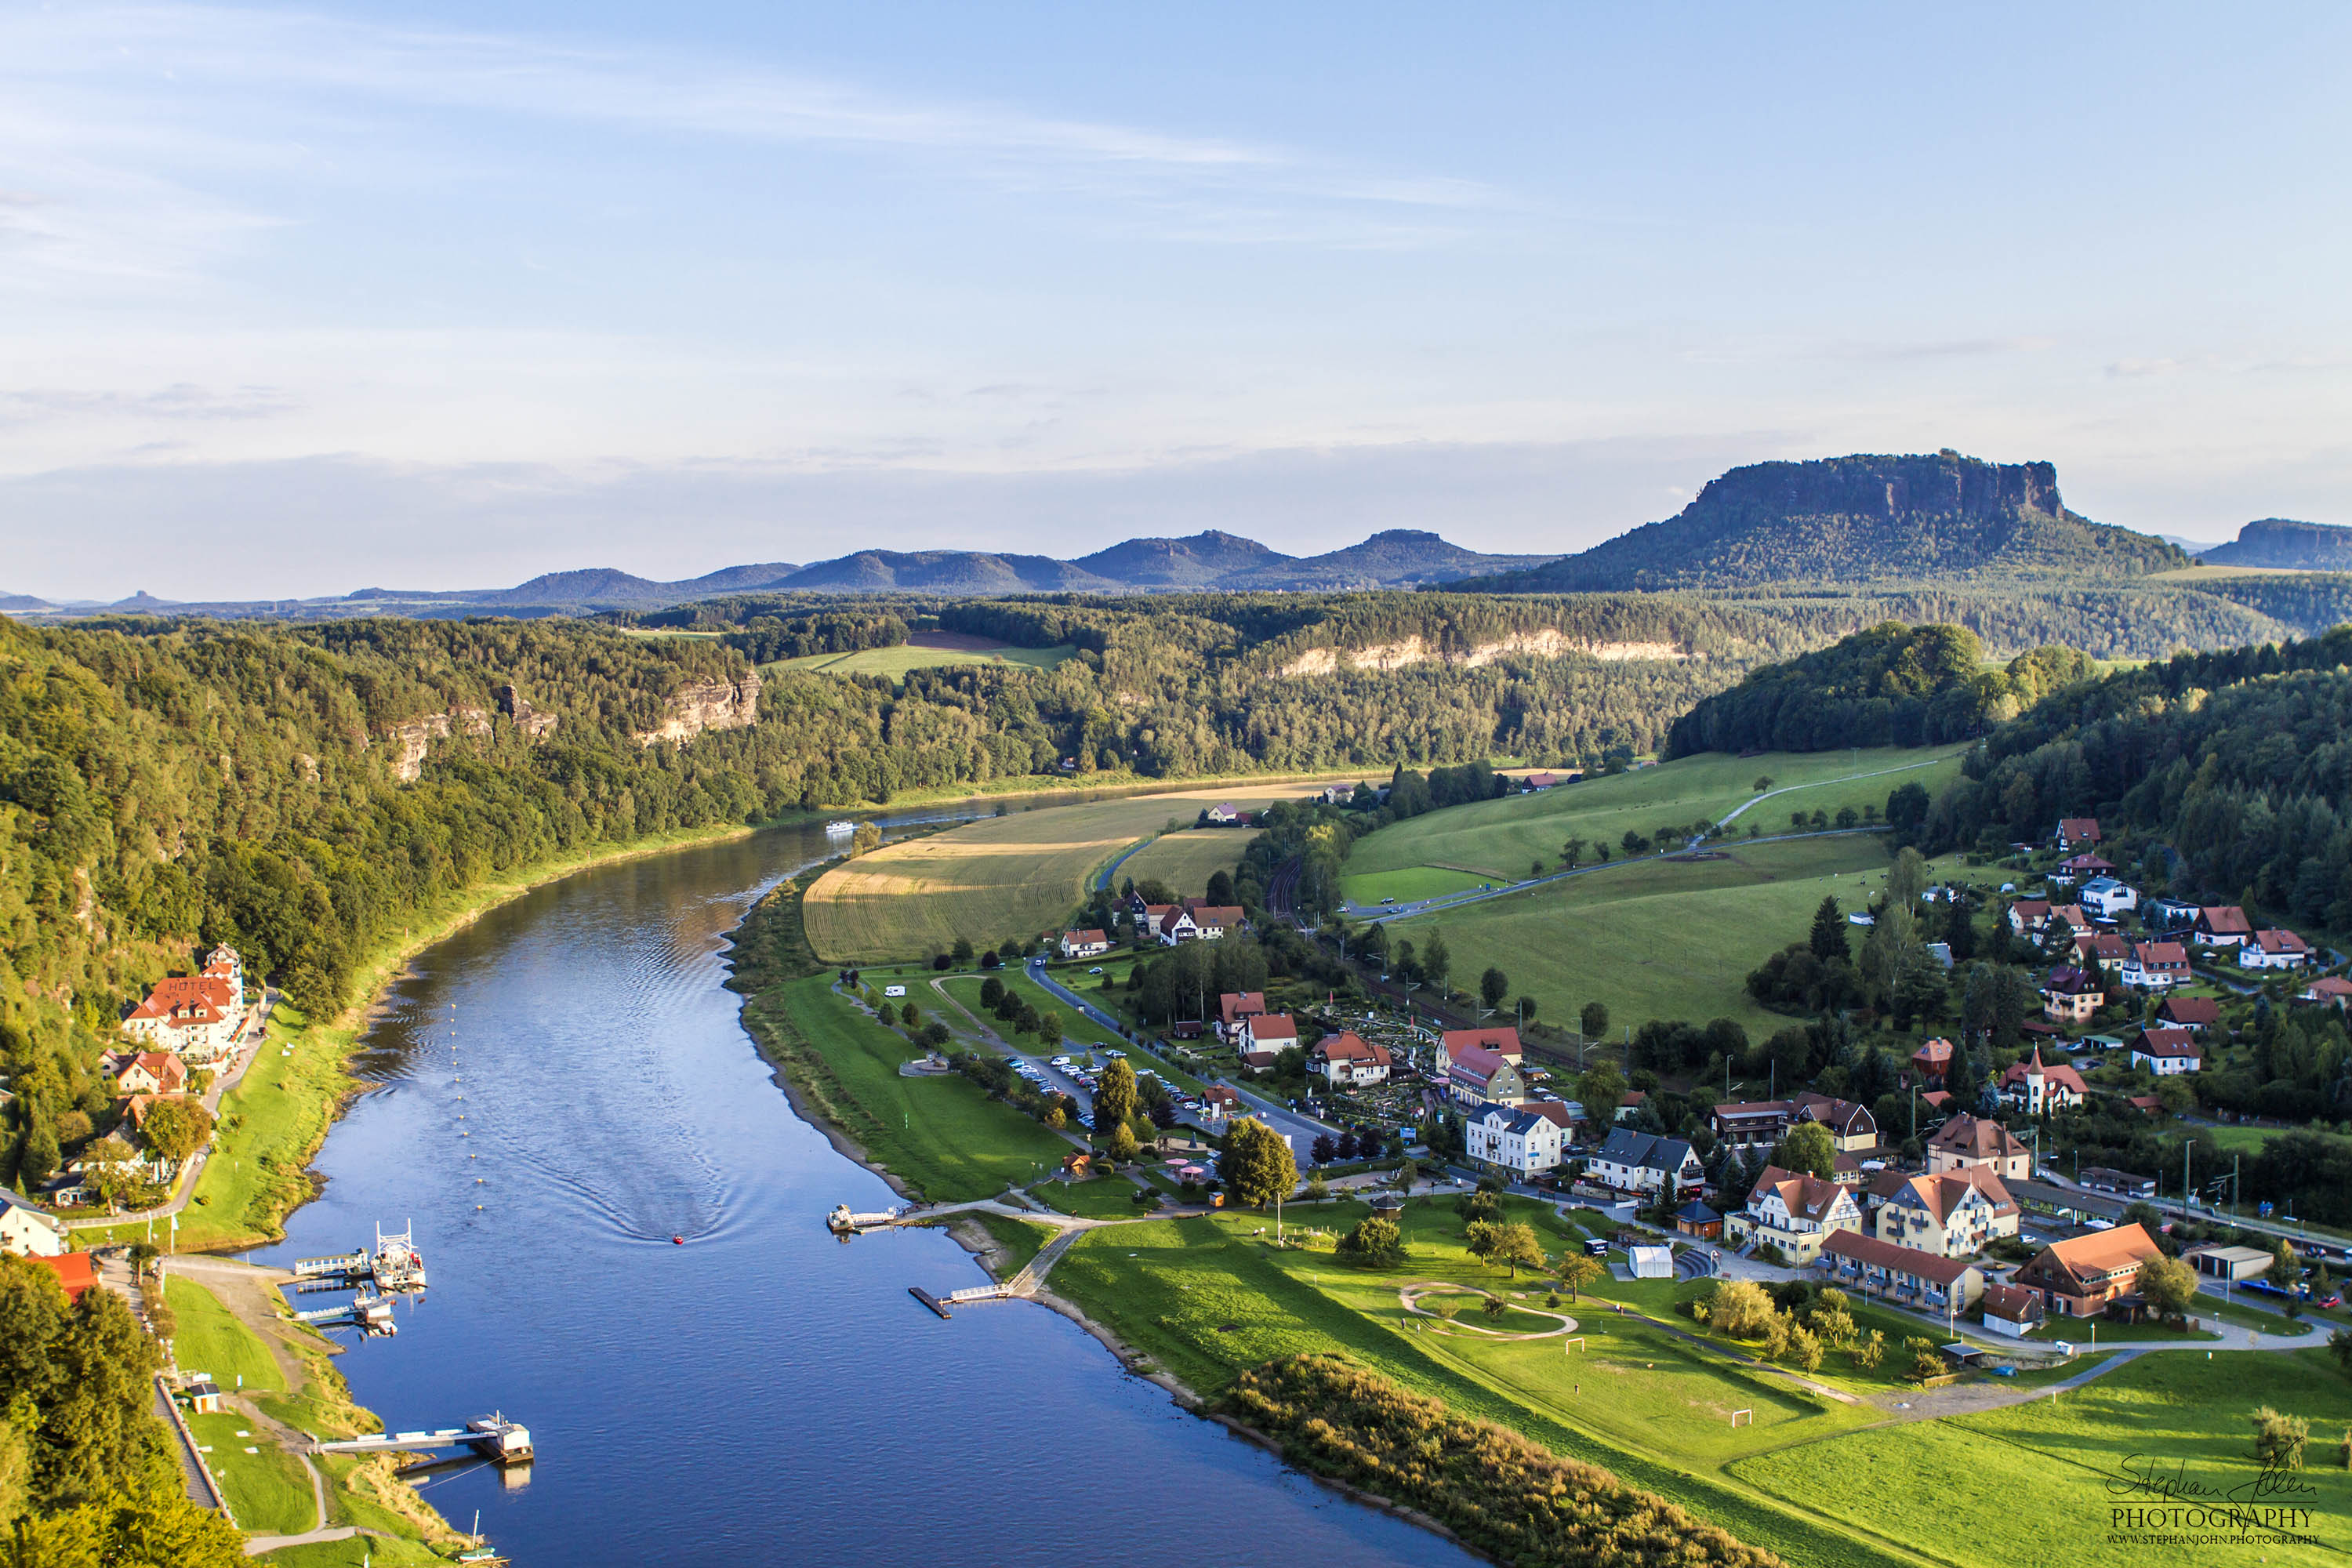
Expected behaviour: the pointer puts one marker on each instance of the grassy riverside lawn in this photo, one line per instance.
(1185, 861)
(359, 1551)
(1972, 1483)
(268, 1490)
(941, 1135)
(1496, 840)
(1665, 939)
(1001, 877)
(1204, 1299)
(210, 1339)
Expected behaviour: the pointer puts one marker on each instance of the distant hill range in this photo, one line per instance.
(2283, 542)
(1401, 558)
(1857, 519)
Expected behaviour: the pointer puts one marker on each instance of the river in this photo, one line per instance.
(564, 1085)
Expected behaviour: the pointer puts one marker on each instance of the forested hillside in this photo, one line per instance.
(1890, 686)
(1858, 519)
(2225, 777)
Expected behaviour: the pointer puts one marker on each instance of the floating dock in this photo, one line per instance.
(493, 1436)
(844, 1221)
(395, 1265)
(370, 1313)
(928, 1300)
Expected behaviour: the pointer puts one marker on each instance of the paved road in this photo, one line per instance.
(184, 1187)
(1102, 878)
(1279, 1117)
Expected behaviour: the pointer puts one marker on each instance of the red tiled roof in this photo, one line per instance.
(197, 998)
(1504, 1041)
(1933, 1055)
(2281, 942)
(2165, 1042)
(2190, 1010)
(2171, 952)
(1872, 1252)
(2011, 1303)
(1273, 1027)
(1805, 1197)
(2078, 1263)
(2019, 1071)
(1234, 1006)
(1349, 1046)
(73, 1271)
(1976, 1137)
(2224, 920)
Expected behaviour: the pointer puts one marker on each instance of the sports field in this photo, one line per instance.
(1663, 939)
(1185, 861)
(927, 650)
(1498, 840)
(1006, 876)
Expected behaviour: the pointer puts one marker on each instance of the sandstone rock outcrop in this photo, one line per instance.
(707, 705)
(1546, 642)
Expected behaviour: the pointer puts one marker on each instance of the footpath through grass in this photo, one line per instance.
(2053, 1468)
(1207, 1298)
(210, 1339)
(941, 1135)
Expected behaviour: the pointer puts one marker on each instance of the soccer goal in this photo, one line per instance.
(1748, 1414)
(1574, 1341)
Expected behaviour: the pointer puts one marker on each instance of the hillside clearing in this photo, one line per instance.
(928, 650)
(1500, 839)
(1659, 938)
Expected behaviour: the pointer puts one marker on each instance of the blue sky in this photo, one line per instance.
(451, 296)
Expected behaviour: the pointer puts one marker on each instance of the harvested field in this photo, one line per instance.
(1004, 878)
(1185, 861)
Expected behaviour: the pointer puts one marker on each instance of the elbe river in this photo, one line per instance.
(564, 1085)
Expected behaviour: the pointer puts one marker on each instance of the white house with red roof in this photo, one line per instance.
(2275, 950)
(1267, 1032)
(2076, 833)
(149, 1072)
(2165, 1052)
(193, 1016)
(2224, 925)
(2032, 1088)
(1793, 1213)
(1084, 944)
(2156, 966)
(1349, 1059)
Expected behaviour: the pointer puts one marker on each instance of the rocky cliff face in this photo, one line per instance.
(2284, 543)
(411, 741)
(708, 705)
(1945, 485)
(529, 720)
(1543, 643)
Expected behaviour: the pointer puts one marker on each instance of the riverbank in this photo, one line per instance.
(273, 1123)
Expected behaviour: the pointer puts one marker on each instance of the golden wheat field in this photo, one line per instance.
(1184, 860)
(1005, 877)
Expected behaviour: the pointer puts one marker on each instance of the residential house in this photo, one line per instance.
(1515, 1138)
(2222, 925)
(2168, 915)
(2194, 1014)
(1212, 922)
(150, 1072)
(1752, 1123)
(2029, 917)
(1217, 1102)
(2071, 919)
(1267, 1032)
(2078, 1277)
(1224, 814)
(2100, 950)
(1951, 1215)
(2166, 1051)
(2156, 966)
(1147, 916)
(1349, 1060)
(1631, 1162)
(2031, 1088)
(74, 1271)
(1232, 1007)
(2079, 867)
(1926, 1282)
(1503, 1042)
(2072, 996)
(2106, 898)
(1930, 1059)
(1852, 1127)
(1084, 944)
(2275, 950)
(1175, 924)
(2077, 833)
(1535, 783)
(1477, 1076)
(2333, 989)
(188, 1014)
(1979, 1143)
(1793, 1213)
(2011, 1309)
(26, 1231)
